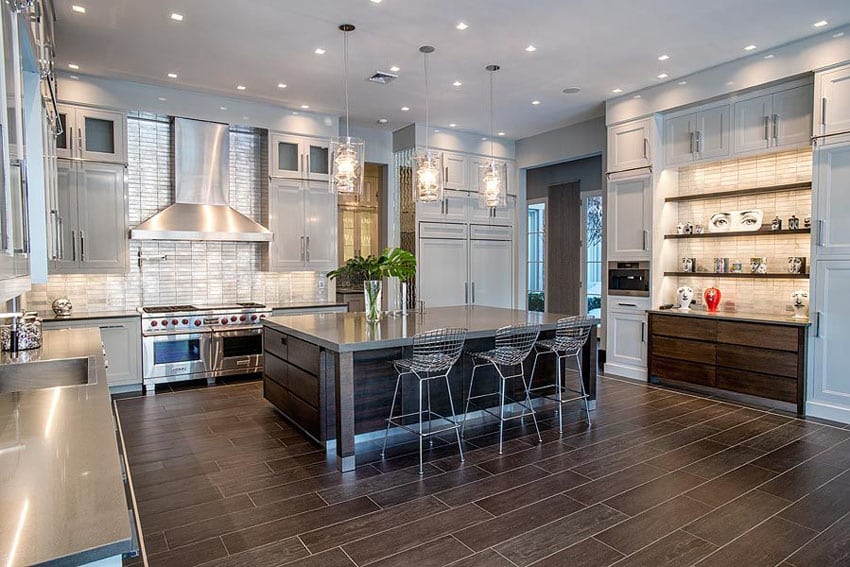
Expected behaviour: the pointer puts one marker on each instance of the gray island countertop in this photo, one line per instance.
(61, 490)
(350, 332)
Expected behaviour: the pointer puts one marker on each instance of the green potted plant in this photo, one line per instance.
(393, 262)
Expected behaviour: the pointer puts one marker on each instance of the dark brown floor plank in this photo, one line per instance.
(801, 480)
(197, 513)
(588, 553)
(332, 558)
(679, 549)
(821, 507)
(654, 492)
(428, 485)
(615, 483)
(487, 558)
(190, 555)
(737, 517)
(491, 485)
(271, 555)
(832, 547)
(791, 455)
(730, 485)
(765, 545)
(431, 554)
(724, 461)
(532, 492)
(687, 455)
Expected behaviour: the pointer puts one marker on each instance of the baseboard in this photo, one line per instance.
(623, 371)
(828, 411)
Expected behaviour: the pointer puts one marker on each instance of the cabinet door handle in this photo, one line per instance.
(307, 248)
(55, 251)
(819, 240)
(644, 239)
(473, 292)
(447, 205)
(692, 143)
(823, 113)
(61, 238)
(103, 327)
(73, 245)
(283, 341)
(82, 245)
(645, 148)
(80, 142)
(767, 128)
(465, 292)
(776, 127)
(699, 141)
(446, 174)
(818, 320)
(642, 332)
(302, 248)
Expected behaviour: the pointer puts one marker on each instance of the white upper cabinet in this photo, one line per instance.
(456, 171)
(697, 135)
(92, 134)
(296, 157)
(630, 218)
(831, 234)
(453, 207)
(773, 120)
(832, 102)
(303, 218)
(630, 145)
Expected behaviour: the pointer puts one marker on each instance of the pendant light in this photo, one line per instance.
(428, 164)
(347, 153)
(491, 175)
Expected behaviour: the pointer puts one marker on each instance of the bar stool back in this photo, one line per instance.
(513, 345)
(434, 354)
(570, 336)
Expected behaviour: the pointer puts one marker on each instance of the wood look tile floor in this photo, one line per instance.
(662, 478)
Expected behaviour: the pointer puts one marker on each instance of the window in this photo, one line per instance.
(536, 255)
(592, 253)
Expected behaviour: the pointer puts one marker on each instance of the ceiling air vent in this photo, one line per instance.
(382, 77)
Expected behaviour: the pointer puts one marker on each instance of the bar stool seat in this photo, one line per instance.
(571, 334)
(434, 354)
(513, 345)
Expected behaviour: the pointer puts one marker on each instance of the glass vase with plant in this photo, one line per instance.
(393, 262)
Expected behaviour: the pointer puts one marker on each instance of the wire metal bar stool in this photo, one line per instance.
(513, 345)
(570, 336)
(434, 354)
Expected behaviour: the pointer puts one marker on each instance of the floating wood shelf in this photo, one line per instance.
(775, 275)
(764, 231)
(742, 192)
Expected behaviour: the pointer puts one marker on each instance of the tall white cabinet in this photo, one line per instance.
(630, 217)
(303, 218)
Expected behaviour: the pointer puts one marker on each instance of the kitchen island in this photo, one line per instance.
(331, 374)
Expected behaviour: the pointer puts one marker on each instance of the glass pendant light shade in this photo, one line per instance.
(492, 189)
(429, 176)
(347, 158)
(347, 154)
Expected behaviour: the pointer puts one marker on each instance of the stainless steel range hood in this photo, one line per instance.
(201, 210)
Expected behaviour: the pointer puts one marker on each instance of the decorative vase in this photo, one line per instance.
(800, 302)
(712, 299)
(372, 295)
(684, 296)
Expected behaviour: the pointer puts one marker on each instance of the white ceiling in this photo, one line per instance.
(597, 45)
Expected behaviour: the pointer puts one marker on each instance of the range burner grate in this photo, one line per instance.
(251, 304)
(168, 308)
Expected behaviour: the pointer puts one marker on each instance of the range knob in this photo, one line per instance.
(242, 318)
(164, 322)
(224, 320)
(154, 323)
(233, 318)
(185, 321)
(254, 317)
(263, 316)
(175, 322)
(197, 322)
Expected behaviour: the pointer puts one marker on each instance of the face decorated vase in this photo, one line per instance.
(684, 296)
(800, 302)
(712, 299)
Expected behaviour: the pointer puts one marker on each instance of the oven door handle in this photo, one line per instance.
(231, 332)
(193, 335)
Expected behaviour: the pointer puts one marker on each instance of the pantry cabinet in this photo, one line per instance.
(832, 103)
(303, 218)
(630, 218)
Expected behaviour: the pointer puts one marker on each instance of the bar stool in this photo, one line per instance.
(513, 345)
(434, 354)
(570, 336)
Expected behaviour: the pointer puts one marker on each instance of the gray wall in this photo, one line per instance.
(588, 172)
(563, 144)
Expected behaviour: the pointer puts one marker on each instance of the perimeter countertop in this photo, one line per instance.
(742, 317)
(307, 305)
(83, 315)
(62, 498)
(348, 332)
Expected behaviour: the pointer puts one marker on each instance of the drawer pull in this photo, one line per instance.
(283, 340)
(621, 304)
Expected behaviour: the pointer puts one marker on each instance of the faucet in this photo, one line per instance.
(13, 334)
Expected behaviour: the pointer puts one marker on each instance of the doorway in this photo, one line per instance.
(591, 253)
(536, 269)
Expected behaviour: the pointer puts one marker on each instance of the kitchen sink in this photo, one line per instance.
(46, 374)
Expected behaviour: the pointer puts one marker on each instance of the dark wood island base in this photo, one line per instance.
(331, 375)
(761, 359)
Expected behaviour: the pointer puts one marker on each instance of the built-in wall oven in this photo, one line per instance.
(628, 278)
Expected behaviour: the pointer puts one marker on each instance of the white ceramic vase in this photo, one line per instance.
(800, 302)
(684, 296)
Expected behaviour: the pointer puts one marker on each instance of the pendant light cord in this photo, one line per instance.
(345, 49)
(492, 143)
(427, 103)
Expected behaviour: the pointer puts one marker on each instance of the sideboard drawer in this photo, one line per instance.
(684, 349)
(683, 327)
(758, 335)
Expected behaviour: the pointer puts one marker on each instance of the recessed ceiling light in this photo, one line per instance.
(457, 84)
(501, 133)
(663, 57)
(172, 75)
(662, 75)
(636, 96)
(74, 77)
(483, 139)
(683, 82)
(73, 66)
(176, 17)
(820, 24)
(375, 1)
(531, 48)
(79, 9)
(240, 87)
(405, 108)
(461, 26)
(769, 56)
(223, 107)
(305, 106)
(617, 90)
(436, 131)
(750, 47)
(382, 120)
(319, 51)
(281, 85)
(839, 34)
(395, 68)
(452, 125)
(161, 98)
(535, 102)
(571, 90)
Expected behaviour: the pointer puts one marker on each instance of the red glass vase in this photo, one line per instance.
(712, 299)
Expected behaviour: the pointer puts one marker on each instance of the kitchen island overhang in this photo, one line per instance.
(330, 373)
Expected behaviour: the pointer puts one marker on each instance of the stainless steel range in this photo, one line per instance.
(186, 342)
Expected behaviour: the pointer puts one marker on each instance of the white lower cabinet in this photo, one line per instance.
(626, 342)
(490, 273)
(829, 380)
(122, 341)
(442, 271)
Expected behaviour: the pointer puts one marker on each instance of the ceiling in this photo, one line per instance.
(596, 45)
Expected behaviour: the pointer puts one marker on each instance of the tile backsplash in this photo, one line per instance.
(753, 295)
(182, 271)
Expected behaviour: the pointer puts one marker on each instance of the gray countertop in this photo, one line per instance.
(743, 317)
(83, 316)
(61, 490)
(348, 332)
(307, 304)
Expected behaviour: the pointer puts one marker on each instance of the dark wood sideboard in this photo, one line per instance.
(762, 359)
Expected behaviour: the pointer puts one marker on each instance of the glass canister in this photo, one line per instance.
(29, 333)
